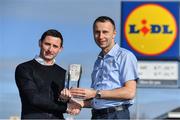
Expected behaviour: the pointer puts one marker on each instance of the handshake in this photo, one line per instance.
(76, 99)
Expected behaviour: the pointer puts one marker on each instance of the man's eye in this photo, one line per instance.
(55, 46)
(46, 43)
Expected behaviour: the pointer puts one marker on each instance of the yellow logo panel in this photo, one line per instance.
(150, 29)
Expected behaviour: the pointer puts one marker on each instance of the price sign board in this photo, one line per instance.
(158, 73)
(150, 29)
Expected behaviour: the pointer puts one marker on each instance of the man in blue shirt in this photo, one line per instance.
(113, 78)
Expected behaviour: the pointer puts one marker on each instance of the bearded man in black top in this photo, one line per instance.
(40, 80)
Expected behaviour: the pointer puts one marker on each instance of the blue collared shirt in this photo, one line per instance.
(112, 71)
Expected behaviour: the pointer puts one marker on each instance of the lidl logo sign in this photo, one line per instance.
(150, 29)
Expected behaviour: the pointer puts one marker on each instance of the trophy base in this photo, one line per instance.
(73, 84)
(77, 99)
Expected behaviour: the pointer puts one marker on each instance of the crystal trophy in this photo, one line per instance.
(72, 79)
(73, 76)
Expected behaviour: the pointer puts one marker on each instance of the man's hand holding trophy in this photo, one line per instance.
(72, 81)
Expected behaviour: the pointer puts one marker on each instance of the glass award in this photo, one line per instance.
(72, 79)
(73, 76)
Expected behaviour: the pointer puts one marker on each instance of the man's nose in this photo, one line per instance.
(101, 35)
(50, 48)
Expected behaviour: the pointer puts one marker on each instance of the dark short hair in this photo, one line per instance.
(53, 33)
(104, 19)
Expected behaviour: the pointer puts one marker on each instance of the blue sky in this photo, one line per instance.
(22, 23)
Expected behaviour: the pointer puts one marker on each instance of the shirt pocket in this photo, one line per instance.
(114, 74)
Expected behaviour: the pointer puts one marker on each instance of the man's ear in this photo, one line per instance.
(39, 43)
(60, 49)
(114, 34)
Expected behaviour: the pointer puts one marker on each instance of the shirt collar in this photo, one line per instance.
(42, 61)
(112, 52)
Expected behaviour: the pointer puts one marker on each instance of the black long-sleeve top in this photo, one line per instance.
(38, 88)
